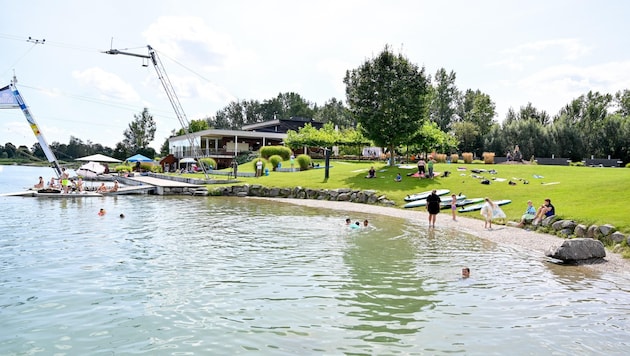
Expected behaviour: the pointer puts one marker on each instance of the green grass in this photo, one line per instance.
(587, 195)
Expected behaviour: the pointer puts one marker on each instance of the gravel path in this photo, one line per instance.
(512, 236)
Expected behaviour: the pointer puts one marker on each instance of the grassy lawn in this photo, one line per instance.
(587, 195)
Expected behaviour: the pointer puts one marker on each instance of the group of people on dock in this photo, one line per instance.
(64, 184)
(68, 185)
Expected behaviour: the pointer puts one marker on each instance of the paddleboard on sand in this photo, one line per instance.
(445, 199)
(461, 203)
(478, 206)
(424, 195)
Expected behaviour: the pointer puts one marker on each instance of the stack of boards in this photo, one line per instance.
(420, 199)
(480, 205)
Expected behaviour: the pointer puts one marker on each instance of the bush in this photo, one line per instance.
(209, 163)
(304, 161)
(348, 151)
(440, 158)
(454, 158)
(122, 168)
(146, 166)
(468, 157)
(274, 161)
(268, 151)
(488, 157)
(627, 165)
(577, 164)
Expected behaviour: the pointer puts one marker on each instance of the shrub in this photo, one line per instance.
(488, 157)
(440, 158)
(454, 158)
(628, 165)
(122, 168)
(468, 157)
(268, 151)
(274, 161)
(304, 161)
(146, 166)
(209, 163)
(577, 164)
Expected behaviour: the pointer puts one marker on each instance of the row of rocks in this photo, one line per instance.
(606, 233)
(341, 194)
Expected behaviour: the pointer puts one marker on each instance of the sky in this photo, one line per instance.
(214, 52)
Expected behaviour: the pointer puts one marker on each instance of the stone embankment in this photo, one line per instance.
(341, 194)
(567, 228)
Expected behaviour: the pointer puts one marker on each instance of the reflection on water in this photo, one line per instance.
(193, 275)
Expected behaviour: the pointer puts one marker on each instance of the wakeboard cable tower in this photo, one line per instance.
(19, 102)
(172, 97)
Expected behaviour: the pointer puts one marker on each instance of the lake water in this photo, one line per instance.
(221, 276)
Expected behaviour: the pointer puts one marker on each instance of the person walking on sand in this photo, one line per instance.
(487, 211)
(433, 207)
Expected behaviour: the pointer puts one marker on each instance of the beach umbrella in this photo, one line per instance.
(139, 158)
(99, 158)
(90, 169)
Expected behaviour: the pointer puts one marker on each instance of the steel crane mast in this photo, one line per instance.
(170, 93)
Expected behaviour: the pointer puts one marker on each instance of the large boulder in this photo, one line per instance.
(578, 250)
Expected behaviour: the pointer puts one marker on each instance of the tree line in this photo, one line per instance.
(394, 103)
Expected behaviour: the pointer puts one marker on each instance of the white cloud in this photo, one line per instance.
(517, 58)
(109, 85)
(563, 83)
(189, 37)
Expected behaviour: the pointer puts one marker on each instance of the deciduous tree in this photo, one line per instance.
(388, 95)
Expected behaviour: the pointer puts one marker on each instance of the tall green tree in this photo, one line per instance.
(477, 109)
(388, 95)
(195, 126)
(335, 112)
(444, 99)
(141, 131)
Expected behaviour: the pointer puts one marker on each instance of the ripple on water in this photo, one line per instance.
(223, 276)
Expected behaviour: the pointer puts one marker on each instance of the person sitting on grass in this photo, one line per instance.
(398, 178)
(545, 211)
(529, 215)
(371, 173)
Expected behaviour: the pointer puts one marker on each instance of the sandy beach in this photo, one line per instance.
(500, 234)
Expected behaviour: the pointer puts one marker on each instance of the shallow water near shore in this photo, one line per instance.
(197, 275)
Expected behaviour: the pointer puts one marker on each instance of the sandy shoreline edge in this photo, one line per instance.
(501, 234)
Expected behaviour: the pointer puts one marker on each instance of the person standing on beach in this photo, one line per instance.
(454, 206)
(487, 210)
(433, 207)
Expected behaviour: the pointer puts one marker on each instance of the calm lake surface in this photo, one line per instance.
(222, 276)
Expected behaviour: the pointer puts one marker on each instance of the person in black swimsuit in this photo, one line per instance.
(433, 207)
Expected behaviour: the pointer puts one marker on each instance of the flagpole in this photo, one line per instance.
(19, 102)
